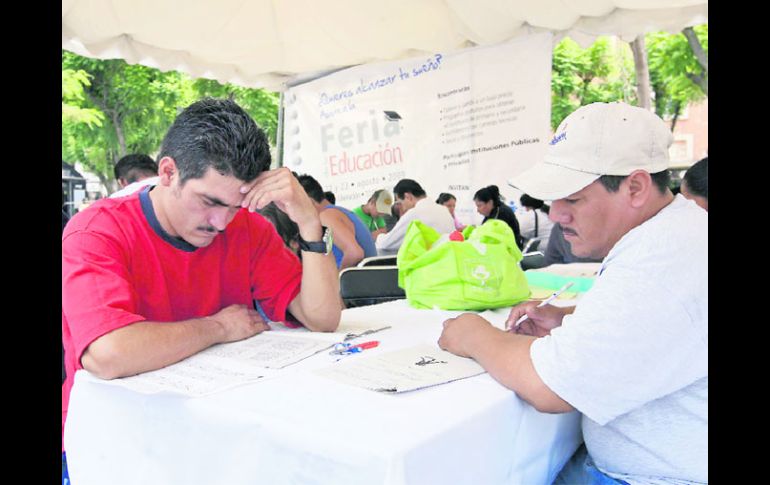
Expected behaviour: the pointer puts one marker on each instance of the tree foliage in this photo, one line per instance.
(676, 75)
(602, 72)
(114, 108)
(605, 72)
(73, 84)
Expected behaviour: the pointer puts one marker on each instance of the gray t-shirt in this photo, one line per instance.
(558, 250)
(633, 357)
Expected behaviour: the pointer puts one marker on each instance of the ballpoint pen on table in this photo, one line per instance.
(544, 302)
(344, 348)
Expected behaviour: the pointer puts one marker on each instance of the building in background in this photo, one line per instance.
(73, 186)
(691, 138)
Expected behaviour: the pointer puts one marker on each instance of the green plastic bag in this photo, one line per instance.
(479, 273)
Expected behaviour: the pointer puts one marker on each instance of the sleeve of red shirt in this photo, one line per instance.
(97, 296)
(276, 272)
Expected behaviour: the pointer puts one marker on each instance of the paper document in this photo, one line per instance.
(227, 365)
(269, 350)
(348, 329)
(195, 376)
(404, 370)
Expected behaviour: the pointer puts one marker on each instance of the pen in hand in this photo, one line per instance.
(543, 303)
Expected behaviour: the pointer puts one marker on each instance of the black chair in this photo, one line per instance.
(370, 285)
(533, 260)
(531, 245)
(378, 261)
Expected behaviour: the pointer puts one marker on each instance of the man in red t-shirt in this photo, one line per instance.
(155, 277)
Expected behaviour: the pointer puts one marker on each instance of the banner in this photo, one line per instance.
(453, 122)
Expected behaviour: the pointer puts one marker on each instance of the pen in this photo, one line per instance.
(364, 346)
(546, 301)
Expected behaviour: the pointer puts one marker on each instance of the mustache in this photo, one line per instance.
(209, 229)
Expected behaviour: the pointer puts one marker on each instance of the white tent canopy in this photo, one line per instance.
(265, 43)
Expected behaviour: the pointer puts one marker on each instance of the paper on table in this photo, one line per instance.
(227, 365)
(196, 376)
(404, 370)
(346, 327)
(267, 349)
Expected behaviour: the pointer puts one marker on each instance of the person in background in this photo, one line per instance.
(352, 240)
(284, 226)
(133, 172)
(695, 183)
(395, 214)
(152, 278)
(533, 220)
(450, 201)
(329, 195)
(632, 356)
(415, 206)
(372, 213)
(489, 204)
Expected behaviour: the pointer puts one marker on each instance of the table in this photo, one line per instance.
(302, 428)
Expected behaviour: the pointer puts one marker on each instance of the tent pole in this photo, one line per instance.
(279, 134)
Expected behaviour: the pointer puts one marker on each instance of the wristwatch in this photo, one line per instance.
(324, 246)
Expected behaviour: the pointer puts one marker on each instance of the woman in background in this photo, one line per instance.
(450, 201)
(490, 205)
(534, 222)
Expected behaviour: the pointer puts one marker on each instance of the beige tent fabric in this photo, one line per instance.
(265, 43)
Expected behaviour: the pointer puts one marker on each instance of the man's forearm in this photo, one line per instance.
(505, 356)
(318, 305)
(145, 346)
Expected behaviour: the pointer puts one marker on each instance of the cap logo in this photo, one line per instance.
(560, 137)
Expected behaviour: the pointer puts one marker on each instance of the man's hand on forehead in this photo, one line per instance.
(281, 187)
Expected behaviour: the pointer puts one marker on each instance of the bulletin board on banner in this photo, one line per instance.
(454, 122)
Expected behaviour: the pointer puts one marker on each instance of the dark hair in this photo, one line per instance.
(529, 201)
(408, 185)
(312, 187)
(697, 178)
(216, 133)
(490, 192)
(375, 195)
(444, 197)
(661, 180)
(395, 210)
(329, 195)
(134, 167)
(285, 227)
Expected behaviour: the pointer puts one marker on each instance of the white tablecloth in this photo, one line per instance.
(302, 428)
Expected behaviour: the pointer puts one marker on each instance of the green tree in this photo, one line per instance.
(114, 108)
(678, 69)
(138, 104)
(260, 104)
(73, 84)
(599, 73)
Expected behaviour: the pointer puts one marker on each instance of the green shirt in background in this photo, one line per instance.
(372, 223)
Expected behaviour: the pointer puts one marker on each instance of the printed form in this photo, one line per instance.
(224, 366)
(404, 370)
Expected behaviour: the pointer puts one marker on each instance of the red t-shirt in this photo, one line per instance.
(119, 267)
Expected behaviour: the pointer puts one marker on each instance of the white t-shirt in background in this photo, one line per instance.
(527, 225)
(633, 357)
(131, 188)
(426, 211)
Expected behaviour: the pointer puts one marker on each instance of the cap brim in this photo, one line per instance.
(547, 181)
